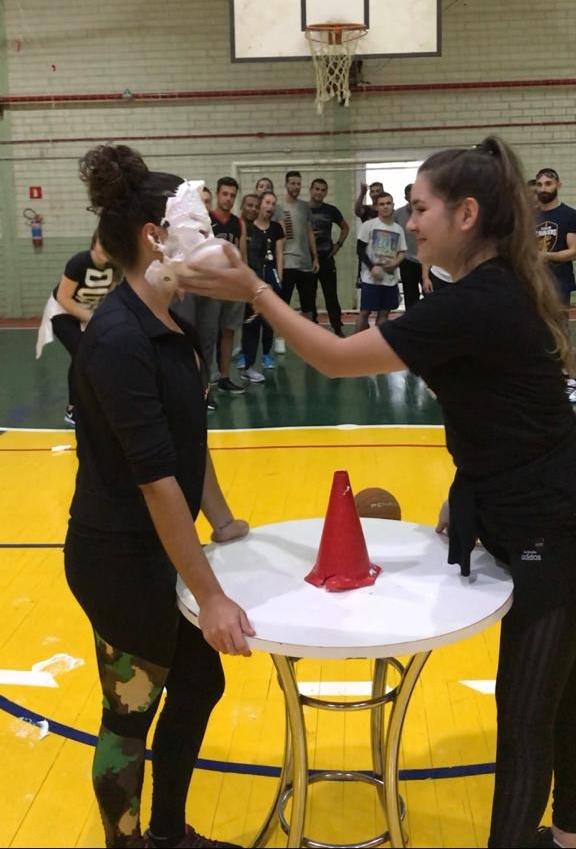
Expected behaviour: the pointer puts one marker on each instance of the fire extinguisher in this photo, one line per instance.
(34, 220)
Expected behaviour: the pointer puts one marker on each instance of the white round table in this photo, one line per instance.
(419, 602)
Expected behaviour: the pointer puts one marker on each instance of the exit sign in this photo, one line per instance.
(35, 192)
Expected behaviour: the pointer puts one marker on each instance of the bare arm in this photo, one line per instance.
(344, 230)
(222, 621)
(361, 354)
(280, 257)
(567, 255)
(359, 205)
(313, 250)
(216, 509)
(64, 296)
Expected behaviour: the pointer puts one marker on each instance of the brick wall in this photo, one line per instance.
(78, 47)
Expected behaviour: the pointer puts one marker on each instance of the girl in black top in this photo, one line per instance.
(144, 473)
(492, 347)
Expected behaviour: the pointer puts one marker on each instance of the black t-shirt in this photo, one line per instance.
(92, 283)
(552, 227)
(323, 217)
(226, 228)
(483, 349)
(367, 212)
(139, 392)
(261, 246)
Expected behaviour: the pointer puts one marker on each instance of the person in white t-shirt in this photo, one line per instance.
(381, 247)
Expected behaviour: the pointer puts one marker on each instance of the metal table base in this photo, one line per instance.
(385, 736)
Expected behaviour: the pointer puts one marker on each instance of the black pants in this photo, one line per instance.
(68, 331)
(411, 275)
(305, 282)
(143, 645)
(536, 697)
(251, 333)
(329, 281)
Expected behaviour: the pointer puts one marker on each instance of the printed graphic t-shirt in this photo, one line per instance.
(553, 225)
(295, 218)
(323, 217)
(383, 243)
(92, 283)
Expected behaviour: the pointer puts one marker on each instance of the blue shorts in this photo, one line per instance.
(379, 298)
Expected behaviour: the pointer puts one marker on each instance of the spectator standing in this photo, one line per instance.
(324, 216)
(381, 248)
(300, 255)
(410, 267)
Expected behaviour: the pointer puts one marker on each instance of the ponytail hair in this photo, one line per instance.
(125, 195)
(492, 174)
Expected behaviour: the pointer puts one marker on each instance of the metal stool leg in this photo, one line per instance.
(392, 746)
(271, 821)
(377, 723)
(299, 747)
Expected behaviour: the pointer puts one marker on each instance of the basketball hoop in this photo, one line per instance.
(332, 47)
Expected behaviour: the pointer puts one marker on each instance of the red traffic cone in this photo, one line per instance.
(342, 562)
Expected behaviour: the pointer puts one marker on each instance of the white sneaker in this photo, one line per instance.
(252, 375)
(572, 396)
(279, 345)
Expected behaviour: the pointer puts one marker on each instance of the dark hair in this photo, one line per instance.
(320, 180)
(292, 174)
(268, 180)
(94, 239)
(408, 188)
(250, 195)
(548, 172)
(491, 173)
(383, 195)
(206, 189)
(377, 183)
(126, 196)
(263, 195)
(227, 181)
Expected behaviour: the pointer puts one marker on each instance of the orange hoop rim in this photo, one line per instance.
(337, 28)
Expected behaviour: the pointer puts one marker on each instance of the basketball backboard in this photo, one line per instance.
(274, 30)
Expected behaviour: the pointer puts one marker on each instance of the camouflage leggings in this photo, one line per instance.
(132, 687)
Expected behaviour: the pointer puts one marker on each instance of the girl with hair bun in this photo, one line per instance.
(144, 473)
(492, 347)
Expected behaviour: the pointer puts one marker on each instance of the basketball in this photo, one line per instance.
(377, 503)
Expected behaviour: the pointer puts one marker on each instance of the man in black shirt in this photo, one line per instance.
(324, 215)
(556, 232)
(363, 211)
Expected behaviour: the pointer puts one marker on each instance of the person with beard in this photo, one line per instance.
(556, 234)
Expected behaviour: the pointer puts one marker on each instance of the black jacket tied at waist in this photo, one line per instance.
(523, 502)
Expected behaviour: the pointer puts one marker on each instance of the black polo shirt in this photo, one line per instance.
(139, 392)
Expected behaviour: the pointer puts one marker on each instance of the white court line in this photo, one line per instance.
(27, 678)
(486, 687)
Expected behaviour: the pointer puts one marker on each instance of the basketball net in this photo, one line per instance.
(333, 47)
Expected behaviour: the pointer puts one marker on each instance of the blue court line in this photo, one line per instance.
(78, 736)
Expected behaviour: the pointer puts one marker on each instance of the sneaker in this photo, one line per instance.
(211, 404)
(69, 415)
(253, 376)
(226, 385)
(570, 383)
(240, 361)
(339, 332)
(192, 840)
(572, 396)
(268, 361)
(215, 378)
(279, 345)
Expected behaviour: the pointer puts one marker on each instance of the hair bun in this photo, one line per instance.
(112, 173)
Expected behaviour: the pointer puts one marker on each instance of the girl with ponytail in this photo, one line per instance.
(144, 473)
(493, 348)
